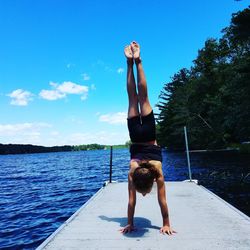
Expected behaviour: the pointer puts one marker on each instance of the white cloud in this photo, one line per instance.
(86, 77)
(22, 129)
(25, 133)
(61, 91)
(93, 87)
(84, 96)
(103, 65)
(54, 133)
(70, 65)
(20, 97)
(75, 120)
(120, 70)
(101, 137)
(116, 118)
(44, 134)
(51, 94)
(72, 88)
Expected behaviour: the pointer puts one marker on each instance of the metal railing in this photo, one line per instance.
(187, 153)
(188, 158)
(110, 164)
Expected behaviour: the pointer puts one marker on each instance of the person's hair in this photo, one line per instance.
(144, 175)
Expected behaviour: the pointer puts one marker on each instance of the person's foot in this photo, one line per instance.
(135, 47)
(128, 53)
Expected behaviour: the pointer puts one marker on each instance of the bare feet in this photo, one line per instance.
(135, 47)
(128, 53)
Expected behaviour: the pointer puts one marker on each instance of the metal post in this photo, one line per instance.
(110, 164)
(187, 152)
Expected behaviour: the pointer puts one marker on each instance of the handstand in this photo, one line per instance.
(146, 158)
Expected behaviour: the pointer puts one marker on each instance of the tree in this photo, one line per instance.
(212, 98)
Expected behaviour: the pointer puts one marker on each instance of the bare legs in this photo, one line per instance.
(142, 90)
(133, 109)
(132, 52)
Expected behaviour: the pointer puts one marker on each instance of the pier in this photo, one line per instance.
(202, 221)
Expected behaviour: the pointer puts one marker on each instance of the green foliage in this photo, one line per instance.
(245, 148)
(212, 98)
(120, 146)
(88, 147)
(96, 147)
(27, 148)
(128, 143)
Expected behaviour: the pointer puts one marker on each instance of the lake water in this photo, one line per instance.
(38, 192)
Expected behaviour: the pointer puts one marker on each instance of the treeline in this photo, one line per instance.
(28, 148)
(88, 147)
(96, 146)
(212, 98)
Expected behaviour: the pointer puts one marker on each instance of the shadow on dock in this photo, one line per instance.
(142, 225)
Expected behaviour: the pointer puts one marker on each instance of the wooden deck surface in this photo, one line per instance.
(202, 220)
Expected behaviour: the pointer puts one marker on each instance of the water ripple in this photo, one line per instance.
(40, 191)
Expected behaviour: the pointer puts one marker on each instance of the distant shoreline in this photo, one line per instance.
(6, 149)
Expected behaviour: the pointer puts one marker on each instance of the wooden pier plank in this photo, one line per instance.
(202, 220)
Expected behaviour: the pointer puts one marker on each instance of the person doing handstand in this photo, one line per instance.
(146, 158)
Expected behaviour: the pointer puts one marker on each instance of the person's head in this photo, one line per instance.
(144, 176)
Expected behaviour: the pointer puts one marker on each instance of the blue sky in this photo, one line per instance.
(63, 71)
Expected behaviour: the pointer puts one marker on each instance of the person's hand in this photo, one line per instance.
(167, 230)
(127, 229)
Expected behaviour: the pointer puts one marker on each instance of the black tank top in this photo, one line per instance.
(145, 152)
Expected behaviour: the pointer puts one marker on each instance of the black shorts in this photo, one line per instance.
(142, 128)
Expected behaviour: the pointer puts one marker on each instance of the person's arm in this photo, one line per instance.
(131, 200)
(163, 205)
(131, 206)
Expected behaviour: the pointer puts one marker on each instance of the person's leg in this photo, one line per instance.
(145, 106)
(133, 109)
